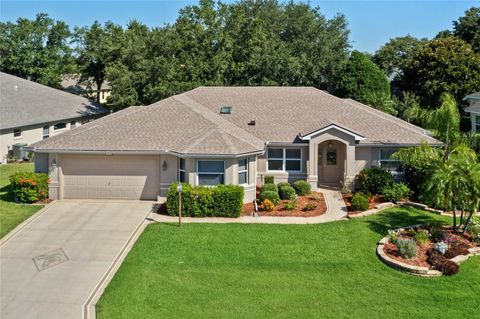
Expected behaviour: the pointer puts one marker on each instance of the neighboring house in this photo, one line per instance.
(224, 135)
(71, 83)
(30, 112)
(474, 110)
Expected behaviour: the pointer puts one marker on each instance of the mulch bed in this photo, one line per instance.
(298, 212)
(373, 201)
(463, 242)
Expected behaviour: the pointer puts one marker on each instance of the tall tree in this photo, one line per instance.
(363, 81)
(36, 49)
(467, 28)
(442, 65)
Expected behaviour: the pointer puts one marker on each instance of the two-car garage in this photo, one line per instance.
(110, 177)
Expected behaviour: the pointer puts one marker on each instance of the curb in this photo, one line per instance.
(26, 222)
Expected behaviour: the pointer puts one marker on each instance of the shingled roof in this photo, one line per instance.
(191, 123)
(24, 102)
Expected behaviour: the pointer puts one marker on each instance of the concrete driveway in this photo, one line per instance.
(51, 267)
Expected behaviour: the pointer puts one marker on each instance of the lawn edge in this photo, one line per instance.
(27, 221)
(89, 307)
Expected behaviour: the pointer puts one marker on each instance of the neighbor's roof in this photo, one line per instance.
(72, 83)
(24, 102)
(475, 95)
(474, 100)
(190, 123)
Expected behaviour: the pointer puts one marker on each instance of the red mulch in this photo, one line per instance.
(463, 242)
(298, 212)
(374, 201)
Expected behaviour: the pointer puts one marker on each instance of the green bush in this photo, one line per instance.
(29, 187)
(271, 196)
(421, 237)
(291, 205)
(374, 179)
(360, 201)
(221, 201)
(287, 192)
(302, 187)
(270, 187)
(396, 192)
(268, 180)
(309, 207)
(407, 248)
(281, 184)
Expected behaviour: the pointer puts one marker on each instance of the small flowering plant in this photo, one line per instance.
(441, 247)
(393, 236)
(29, 187)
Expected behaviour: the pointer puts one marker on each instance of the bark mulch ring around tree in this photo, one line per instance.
(457, 243)
(373, 201)
(315, 198)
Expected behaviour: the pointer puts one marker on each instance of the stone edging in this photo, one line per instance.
(375, 210)
(417, 270)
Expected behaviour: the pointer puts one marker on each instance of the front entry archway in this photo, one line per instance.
(331, 163)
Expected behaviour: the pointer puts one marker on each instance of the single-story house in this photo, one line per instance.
(474, 110)
(30, 112)
(224, 135)
(88, 88)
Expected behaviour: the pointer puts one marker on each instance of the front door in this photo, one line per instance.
(330, 163)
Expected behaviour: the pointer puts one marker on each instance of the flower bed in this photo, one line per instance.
(373, 201)
(314, 200)
(427, 250)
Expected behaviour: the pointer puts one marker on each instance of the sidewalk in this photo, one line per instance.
(336, 210)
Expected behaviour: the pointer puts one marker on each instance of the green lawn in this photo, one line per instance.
(282, 271)
(12, 214)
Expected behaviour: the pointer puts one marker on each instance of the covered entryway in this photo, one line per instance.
(331, 163)
(110, 177)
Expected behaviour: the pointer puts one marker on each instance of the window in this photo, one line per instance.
(226, 110)
(331, 155)
(17, 133)
(59, 126)
(73, 124)
(46, 131)
(210, 172)
(181, 170)
(243, 171)
(284, 159)
(389, 164)
(477, 123)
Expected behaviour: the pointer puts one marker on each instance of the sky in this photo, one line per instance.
(372, 23)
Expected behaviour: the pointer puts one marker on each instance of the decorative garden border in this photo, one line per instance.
(416, 270)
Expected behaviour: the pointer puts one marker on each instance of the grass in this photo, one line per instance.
(11, 213)
(282, 271)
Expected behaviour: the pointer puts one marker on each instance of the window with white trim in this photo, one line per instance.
(60, 126)
(181, 170)
(243, 171)
(17, 133)
(477, 123)
(284, 159)
(389, 163)
(46, 131)
(210, 172)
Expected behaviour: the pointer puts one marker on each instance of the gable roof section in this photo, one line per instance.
(24, 102)
(327, 125)
(474, 100)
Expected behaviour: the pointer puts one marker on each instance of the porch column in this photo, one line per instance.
(350, 166)
(312, 168)
(54, 175)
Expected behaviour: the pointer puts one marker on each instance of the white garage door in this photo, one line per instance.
(110, 177)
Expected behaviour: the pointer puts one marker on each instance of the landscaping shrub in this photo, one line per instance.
(374, 180)
(29, 187)
(271, 196)
(309, 207)
(421, 237)
(441, 263)
(221, 200)
(456, 251)
(270, 187)
(291, 205)
(316, 197)
(474, 229)
(360, 202)
(407, 248)
(396, 192)
(435, 228)
(267, 205)
(286, 192)
(268, 180)
(441, 247)
(302, 187)
(282, 184)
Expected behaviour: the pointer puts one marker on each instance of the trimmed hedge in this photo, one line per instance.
(281, 184)
(286, 192)
(360, 202)
(271, 196)
(374, 179)
(270, 187)
(302, 187)
(29, 187)
(269, 179)
(218, 201)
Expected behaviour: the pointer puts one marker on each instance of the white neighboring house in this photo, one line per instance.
(30, 112)
(474, 110)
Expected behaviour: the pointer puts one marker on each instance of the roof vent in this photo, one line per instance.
(252, 122)
(226, 110)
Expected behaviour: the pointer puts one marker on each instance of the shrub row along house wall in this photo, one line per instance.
(224, 135)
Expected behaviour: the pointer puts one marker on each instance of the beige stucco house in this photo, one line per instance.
(474, 110)
(73, 83)
(231, 135)
(30, 112)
